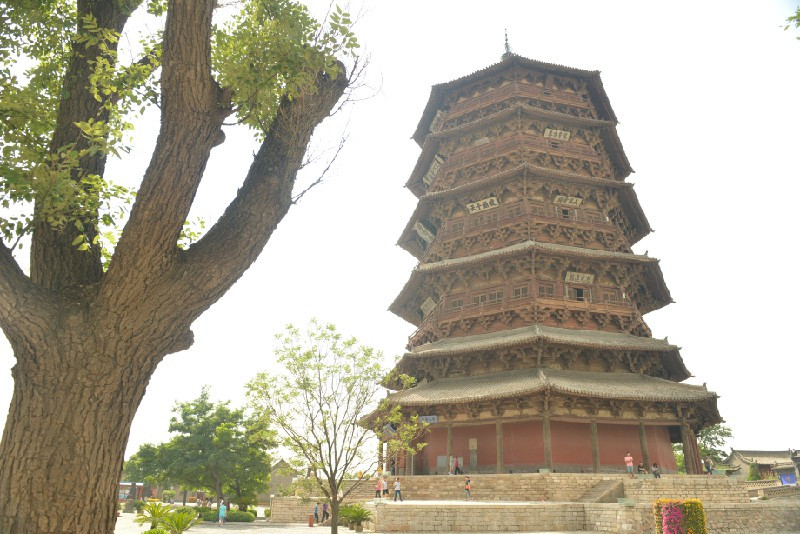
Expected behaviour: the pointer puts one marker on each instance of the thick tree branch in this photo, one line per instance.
(236, 240)
(192, 111)
(55, 261)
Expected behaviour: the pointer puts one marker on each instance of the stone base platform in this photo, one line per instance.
(492, 517)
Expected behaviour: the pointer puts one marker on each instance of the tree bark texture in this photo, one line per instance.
(87, 343)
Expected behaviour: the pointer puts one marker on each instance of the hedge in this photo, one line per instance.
(234, 516)
(674, 516)
(156, 531)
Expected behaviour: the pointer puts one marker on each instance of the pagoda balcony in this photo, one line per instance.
(516, 90)
(475, 154)
(521, 211)
(476, 311)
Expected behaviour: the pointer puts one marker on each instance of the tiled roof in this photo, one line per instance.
(623, 386)
(527, 334)
(600, 98)
(764, 457)
(654, 274)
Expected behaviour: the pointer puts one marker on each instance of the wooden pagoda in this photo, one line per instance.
(531, 352)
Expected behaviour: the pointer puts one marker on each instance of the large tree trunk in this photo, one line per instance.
(68, 424)
(87, 343)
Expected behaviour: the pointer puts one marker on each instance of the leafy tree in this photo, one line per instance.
(216, 447)
(91, 321)
(149, 464)
(794, 20)
(325, 406)
(752, 473)
(710, 441)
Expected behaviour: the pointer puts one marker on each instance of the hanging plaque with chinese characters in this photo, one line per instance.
(423, 232)
(579, 278)
(483, 204)
(560, 135)
(436, 164)
(563, 200)
(428, 306)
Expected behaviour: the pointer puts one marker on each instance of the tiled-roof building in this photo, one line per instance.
(531, 351)
(783, 464)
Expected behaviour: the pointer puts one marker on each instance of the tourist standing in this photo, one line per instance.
(378, 488)
(223, 512)
(457, 469)
(397, 493)
(451, 464)
(385, 486)
(656, 472)
(629, 464)
(708, 465)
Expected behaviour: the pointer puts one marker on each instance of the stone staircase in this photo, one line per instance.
(604, 491)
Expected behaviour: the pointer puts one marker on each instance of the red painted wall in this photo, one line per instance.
(660, 448)
(614, 441)
(523, 443)
(571, 443)
(437, 446)
(487, 443)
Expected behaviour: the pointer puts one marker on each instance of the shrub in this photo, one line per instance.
(180, 522)
(156, 531)
(167, 495)
(192, 509)
(235, 516)
(359, 515)
(210, 515)
(139, 505)
(129, 507)
(678, 517)
(267, 512)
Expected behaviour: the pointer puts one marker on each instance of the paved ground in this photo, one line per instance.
(125, 525)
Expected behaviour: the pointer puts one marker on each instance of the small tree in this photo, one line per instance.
(710, 441)
(753, 473)
(318, 404)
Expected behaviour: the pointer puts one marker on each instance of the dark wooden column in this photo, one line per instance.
(595, 445)
(548, 454)
(643, 442)
(499, 446)
(690, 456)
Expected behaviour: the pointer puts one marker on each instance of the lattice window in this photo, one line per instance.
(547, 290)
(520, 292)
(581, 294)
(610, 295)
(457, 303)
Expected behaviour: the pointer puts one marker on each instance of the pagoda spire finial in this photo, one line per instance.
(507, 46)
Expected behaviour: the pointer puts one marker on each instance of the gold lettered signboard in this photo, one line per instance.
(563, 200)
(423, 232)
(559, 135)
(579, 278)
(483, 205)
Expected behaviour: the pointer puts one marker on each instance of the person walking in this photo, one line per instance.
(385, 487)
(629, 464)
(451, 464)
(325, 514)
(316, 513)
(467, 489)
(397, 493)
(378, 488)
(223, 512)
(457, 469)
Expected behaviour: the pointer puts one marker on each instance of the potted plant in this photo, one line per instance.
(344, 516)
(360, 515)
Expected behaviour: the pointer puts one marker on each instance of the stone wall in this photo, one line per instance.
(478, 517)
(571, 487)
(707, 489)
(734, 518)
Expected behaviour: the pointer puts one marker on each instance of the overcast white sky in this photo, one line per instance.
(707, 98)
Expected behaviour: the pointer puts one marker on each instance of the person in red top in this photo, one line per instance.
(629, 464)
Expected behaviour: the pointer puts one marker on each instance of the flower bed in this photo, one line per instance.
(673, 516)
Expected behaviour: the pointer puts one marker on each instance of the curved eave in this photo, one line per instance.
(594, 83)
(406, 240)
(415, 183)
(586, 384)
(661, 293)
(633, 210)
(550, 335)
